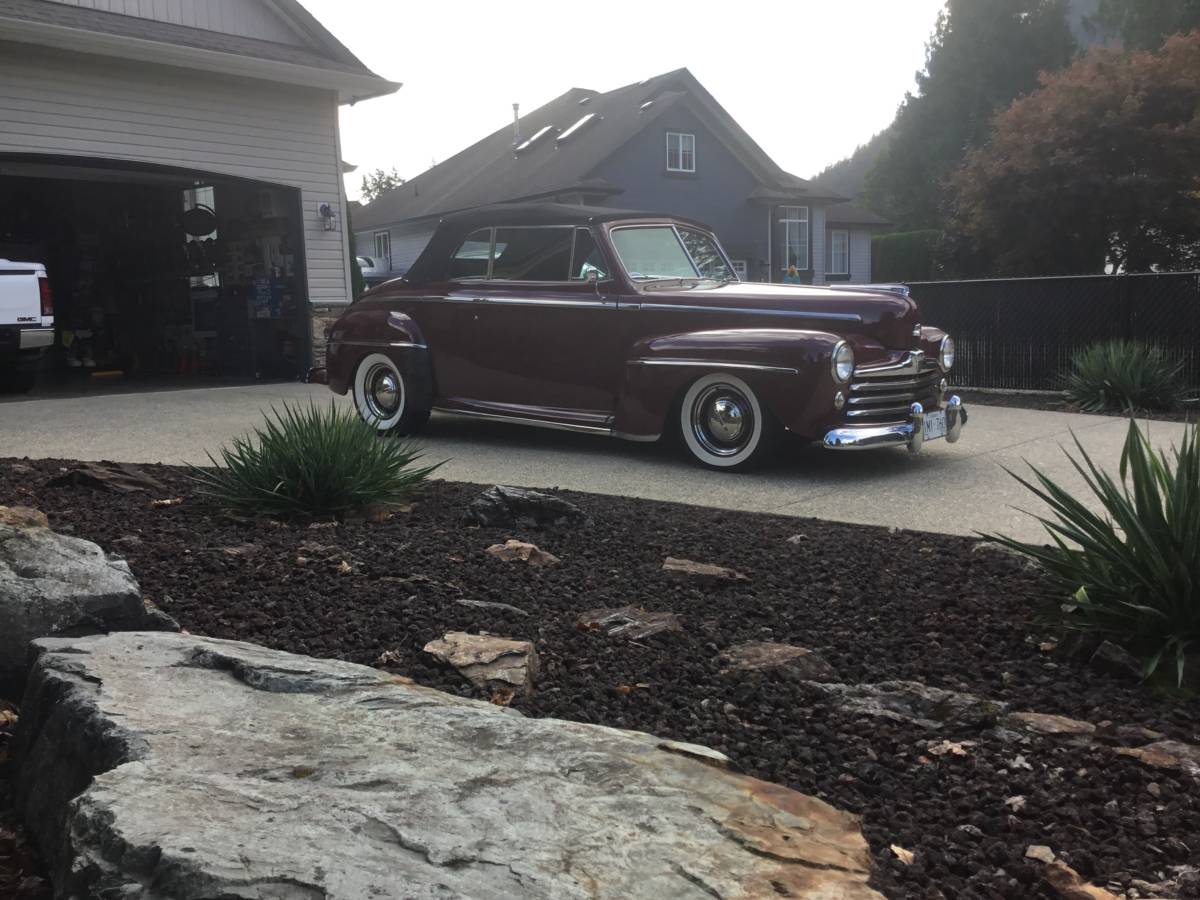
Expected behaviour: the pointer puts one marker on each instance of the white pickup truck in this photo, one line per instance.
(26, 322)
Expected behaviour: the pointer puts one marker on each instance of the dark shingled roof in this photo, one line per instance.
(490, 172)
(849, 214)
(326, 51)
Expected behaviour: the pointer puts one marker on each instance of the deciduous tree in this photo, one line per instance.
(1098, 167)
(379, 182)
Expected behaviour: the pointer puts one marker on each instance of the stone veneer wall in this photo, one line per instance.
(323, 315)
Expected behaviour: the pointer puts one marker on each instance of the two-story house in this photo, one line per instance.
(177, 168)
(664, 145)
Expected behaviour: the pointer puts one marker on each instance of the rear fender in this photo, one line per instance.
(370, 328)
(788, 369)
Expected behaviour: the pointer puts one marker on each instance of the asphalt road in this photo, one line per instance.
(955, 488)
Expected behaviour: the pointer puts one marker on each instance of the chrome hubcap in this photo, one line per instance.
(722, 420)
(383, 392)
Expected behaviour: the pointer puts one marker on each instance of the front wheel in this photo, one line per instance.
(722, 423)
(384, 398)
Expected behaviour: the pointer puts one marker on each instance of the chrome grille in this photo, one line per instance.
(886, 393)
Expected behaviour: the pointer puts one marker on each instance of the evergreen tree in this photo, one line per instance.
(982, 55)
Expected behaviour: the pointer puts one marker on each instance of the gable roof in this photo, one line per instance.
(491, 171)
(323, 62)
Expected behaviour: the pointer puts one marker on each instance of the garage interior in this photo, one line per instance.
(160, 277)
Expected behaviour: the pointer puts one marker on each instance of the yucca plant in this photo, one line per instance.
(1132, 572)
(312, 461)
(1124, 376)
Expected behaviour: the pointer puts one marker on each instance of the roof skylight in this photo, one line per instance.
(578, 126)
(537, 136)
(645, 106)
(584, 100)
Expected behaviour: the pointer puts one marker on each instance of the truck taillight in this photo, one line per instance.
(47, 297)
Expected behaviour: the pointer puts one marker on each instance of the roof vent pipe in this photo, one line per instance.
(516, 124)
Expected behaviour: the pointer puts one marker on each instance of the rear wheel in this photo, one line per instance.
(383, 396)
(722, 423)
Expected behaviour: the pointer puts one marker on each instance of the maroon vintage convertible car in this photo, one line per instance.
(635, 325)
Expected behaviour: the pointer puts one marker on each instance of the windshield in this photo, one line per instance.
(664, 251)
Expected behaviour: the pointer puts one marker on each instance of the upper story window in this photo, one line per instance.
(839, 252)
(681, 152)
(383, 247)
(793, 222)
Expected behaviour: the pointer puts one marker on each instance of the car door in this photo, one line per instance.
(543, 339)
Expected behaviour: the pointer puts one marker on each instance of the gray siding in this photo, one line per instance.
(860, 255)
(65, 104)
(407, 243)
(248, 18)
(716, 194)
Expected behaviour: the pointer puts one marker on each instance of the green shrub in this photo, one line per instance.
(1133, 571)
(905, 256)
(1124, 376)
(312, 461)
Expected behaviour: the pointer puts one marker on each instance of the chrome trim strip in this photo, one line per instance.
(911, 364)
(894, 384)
(562, 304)
(711, 364)
(397, 344)
(879, 410)
(881, 398)
(519, 420)
(749, 311)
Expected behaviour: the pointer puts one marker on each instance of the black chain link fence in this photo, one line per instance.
(1021, 332)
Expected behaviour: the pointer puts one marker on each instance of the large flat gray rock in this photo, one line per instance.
(170, 766)
(54, 583)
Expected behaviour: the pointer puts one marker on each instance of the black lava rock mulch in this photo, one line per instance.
(878, 605)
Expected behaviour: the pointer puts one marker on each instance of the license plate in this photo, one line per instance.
(935, 424)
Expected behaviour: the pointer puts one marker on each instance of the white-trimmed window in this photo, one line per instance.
(739, 267)
(793, 222)
(383, 248)
(839, 252)
(681, 152)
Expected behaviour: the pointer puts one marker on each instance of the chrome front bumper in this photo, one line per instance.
(910, 434)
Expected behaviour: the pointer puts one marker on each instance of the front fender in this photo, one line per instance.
(789, 370)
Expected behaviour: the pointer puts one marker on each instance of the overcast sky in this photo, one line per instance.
(808, 79)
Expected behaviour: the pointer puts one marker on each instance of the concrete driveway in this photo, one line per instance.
(959, 489)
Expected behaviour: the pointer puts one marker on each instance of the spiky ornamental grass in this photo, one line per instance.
(1132, 572)
(314, 461)
(1124, 376)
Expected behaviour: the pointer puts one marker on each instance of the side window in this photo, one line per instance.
(470, 260)
(587, 257)
(532, 254)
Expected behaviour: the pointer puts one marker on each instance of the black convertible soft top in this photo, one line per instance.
(453, 229)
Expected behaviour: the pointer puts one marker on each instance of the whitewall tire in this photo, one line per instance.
(380, 392)
(722, 423)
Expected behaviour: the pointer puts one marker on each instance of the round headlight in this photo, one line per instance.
(843, 362)
(946, 354)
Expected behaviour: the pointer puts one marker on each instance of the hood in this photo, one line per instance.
(877, 318)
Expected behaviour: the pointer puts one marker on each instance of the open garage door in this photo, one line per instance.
(160, 277)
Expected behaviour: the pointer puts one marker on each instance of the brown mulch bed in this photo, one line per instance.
(1053, 402)
(877, 604)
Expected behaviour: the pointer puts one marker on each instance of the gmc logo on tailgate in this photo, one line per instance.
(26, 318)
